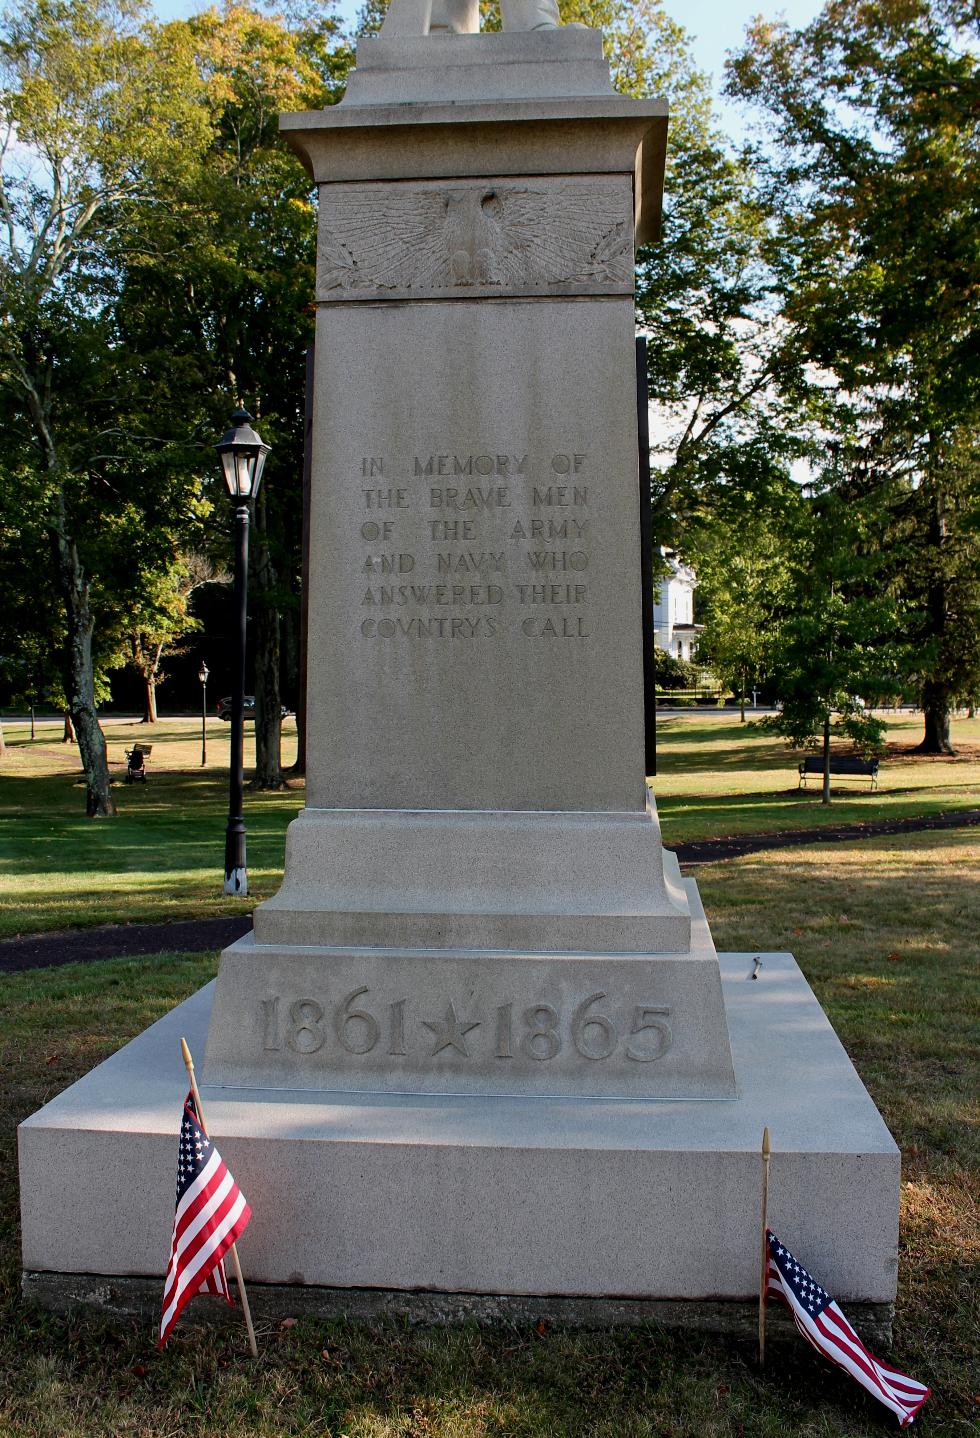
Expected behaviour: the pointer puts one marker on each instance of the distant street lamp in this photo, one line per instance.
(242, 455)
(202, 674)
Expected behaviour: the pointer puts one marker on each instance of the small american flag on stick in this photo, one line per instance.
(211, 1216)
(823, 1324)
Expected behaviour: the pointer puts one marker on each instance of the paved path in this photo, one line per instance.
(116, 941)
(82, 946)
(706, 851)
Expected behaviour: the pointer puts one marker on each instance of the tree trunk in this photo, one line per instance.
(68, 737)
(268, 701)
(79, 680)
(149, 699)
(290, 622)
(3, 745)
(936, 699)
(936, 713)
(825, 797)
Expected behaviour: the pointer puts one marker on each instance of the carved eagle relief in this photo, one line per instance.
(494, 234)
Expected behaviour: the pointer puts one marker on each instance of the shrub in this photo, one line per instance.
(671, 673)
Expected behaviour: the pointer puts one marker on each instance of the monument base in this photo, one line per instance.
(139, 1298)
(544, 1196)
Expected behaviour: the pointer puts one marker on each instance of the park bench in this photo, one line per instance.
(849, 766)
(136, 762)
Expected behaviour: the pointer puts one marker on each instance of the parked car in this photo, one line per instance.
(248, 708)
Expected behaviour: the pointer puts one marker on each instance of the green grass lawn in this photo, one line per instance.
(885, 930)
(162, 856)
(717, 777)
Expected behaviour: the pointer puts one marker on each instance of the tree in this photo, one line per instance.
(226, 303)
(99, 115)
(834, 640)
(725, 373)
(873, 168)
(743, 581)
(162, 618)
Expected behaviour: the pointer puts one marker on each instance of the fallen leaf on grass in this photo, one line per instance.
(288, 1323)
(540, 1328)
(893, 958)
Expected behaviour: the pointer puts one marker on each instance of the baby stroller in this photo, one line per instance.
(136, 763)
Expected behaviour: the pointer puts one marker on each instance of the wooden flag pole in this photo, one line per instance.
(233, 1250)
(764, 1246)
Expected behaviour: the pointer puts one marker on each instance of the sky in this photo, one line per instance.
(715, 26)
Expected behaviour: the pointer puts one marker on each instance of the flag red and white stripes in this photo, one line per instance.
(823, 1324)
(211, 1215)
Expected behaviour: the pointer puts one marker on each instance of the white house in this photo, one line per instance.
(673, 609)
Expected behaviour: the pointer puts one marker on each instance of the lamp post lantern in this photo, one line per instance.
(202, 674)
(242, 455)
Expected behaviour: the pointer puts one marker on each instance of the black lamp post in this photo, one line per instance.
(242, 456)
(202, 674)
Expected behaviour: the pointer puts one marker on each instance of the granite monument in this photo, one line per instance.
(480, 1041)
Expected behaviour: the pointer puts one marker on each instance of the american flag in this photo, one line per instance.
(211, 1216)
(823, 1324)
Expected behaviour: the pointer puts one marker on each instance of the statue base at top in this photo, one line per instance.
(413, 69)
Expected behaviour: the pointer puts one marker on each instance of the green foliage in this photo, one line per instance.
(724, 372)
(836, 639)
(100, 119)
(872, 176)
(226, 305)
(673, 673)
(743, 574)
(155, 269)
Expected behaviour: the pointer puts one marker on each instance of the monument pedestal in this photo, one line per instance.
(475, 1021)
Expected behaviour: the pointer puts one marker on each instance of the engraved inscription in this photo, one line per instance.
(540, 1038)
(356, 1025)
(450, 1032)
(305, 1034)
(506, 236)
(496, 526)
(592, 1033)
(357, 1031)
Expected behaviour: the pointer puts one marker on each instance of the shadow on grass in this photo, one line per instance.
(161, 856)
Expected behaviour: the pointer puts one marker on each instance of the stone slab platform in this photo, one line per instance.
(600, 1198)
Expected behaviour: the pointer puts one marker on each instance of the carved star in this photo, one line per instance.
(449, 1032)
